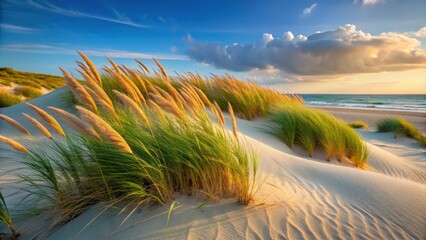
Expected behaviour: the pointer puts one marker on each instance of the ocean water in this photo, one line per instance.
(393, 102)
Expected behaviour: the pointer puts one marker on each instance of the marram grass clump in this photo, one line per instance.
(314, 129)
(358, 124)
(136, 143)
(401, 127)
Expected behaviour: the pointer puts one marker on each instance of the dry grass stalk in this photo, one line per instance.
(49, 119)
(13, 144)
(109, 108)
(79, 91)
(92, 68)
(169, 106)
(40, 126)
(75, 123)
(194, 94)
(142, 66)
(127, 88)
(98, 90)
(191, 105)
(219, 115)
(175, 94)
(116, 68)
(132, 105)
(163, 71)
(204, 98)
(134, 87)
(86, 70)
(104, 129)
(234, 121)
(139, 80)
(156, 108)
(14, 124)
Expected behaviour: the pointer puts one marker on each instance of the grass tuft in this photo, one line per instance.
(28, 92)
(8, 99)
(310, 128)
(401, 126)
(358, 124)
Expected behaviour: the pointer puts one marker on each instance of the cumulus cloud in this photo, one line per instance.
(341, 51)
(308, 10)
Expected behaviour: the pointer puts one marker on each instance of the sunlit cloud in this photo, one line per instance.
(308, 10)
(119, 17)
(369, 2)
(17, 29)
(339, 52)
(112, 53)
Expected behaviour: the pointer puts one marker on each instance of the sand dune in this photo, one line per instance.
(301, 198)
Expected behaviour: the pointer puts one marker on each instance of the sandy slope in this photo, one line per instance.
(301, 198)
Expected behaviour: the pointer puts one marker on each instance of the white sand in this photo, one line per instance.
(302, 198)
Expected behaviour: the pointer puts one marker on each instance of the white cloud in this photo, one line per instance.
(119, 18)
(338, 52)
(308, 10)
(369, 2)
(421, 32)
(112, 53)
(15, 28)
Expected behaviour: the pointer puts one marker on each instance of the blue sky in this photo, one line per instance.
(359, 45)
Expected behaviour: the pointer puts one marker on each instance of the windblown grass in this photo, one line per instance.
(358, 124)
(160, 140)
(400, 126)
(310, 128)
(6, 218)
(8, 99)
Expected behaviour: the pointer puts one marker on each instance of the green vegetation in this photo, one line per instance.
(309, 128)
(35, 80)
(5, 217)
(30, 85)
(400, 126)
(134, 150)
(248, 100)
(28, 92)
(8, 99)
(358, 124)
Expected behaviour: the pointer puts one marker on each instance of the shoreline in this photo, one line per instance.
(372, 116)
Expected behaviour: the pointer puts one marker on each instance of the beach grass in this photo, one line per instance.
(6, 218)
(358, 124)
(311, 129)
(8, 99)
(142, 152)
(401, 127)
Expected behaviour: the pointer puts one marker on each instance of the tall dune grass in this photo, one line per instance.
(142, 154)
(311, 129)
(401, 126)
(6, 218)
